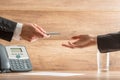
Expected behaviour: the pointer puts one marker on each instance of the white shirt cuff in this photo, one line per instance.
(17, 32)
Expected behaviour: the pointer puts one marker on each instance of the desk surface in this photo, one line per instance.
(58, 75)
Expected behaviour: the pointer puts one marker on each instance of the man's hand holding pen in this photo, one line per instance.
(32, 32)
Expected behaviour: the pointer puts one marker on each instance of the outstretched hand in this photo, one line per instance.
(32, 32)
(81, 41)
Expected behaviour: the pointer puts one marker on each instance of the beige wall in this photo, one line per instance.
(69, 17)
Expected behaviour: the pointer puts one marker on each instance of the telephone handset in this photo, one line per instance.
(14, 59)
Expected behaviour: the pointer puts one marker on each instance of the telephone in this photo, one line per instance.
(14, 59)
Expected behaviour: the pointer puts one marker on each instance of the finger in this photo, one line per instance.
(68, 45)
(75, 37)
(79, 36)
(71, 45)
(40, 33)
(83, 45)
(40, 28)
(76, 42)
(44, 32)
(33, 40)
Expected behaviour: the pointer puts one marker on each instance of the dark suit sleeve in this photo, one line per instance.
(108, 42)
(7, 28)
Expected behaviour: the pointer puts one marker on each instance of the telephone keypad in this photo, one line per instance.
(20, 64)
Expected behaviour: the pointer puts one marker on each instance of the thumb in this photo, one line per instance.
(76, 37)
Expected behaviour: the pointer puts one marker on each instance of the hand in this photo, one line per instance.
(32, 32)
(81, 41)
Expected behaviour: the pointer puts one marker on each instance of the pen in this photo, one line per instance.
(53, 33)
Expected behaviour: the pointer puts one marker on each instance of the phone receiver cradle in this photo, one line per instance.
(4, 62)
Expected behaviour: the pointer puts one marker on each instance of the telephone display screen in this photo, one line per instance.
(16, 49)
(16, 52)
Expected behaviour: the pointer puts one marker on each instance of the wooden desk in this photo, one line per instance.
(52, 75)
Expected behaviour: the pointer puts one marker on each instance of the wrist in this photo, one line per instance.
(94, 39)
(17, 31)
